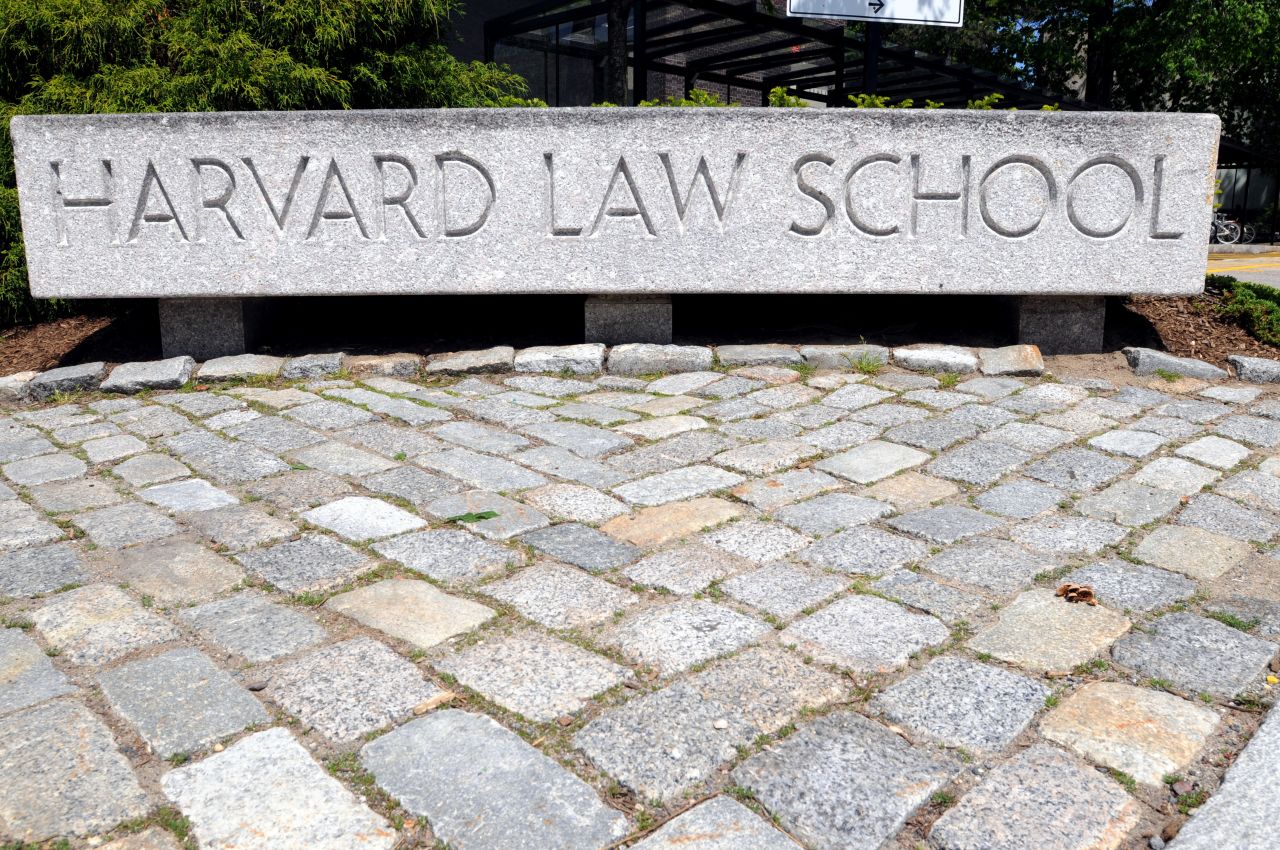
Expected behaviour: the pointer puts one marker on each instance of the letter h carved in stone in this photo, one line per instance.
(105, 201)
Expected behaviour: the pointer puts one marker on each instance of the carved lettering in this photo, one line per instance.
(1097, 162)
(219, 202)
(399, 199)
(553, 228)
(333, 177)
(462, 159)
(810, 191)
(636, 209)
(281, 216)
(704, 172)
(961, 195)
(143, 212)
(854, 218)
(105, 201)
(1051, 195)
(1157, 191)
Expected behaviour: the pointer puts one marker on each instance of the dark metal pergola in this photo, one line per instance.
(737, 47)
(741, 47)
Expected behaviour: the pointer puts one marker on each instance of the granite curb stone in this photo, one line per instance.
(1255, 370)
(650, 358)
(500, 358)
(582, 359)
(1146, 361)
(311, 366)
(936, 358)
(240, 366)
(156, 375)
(65, 379)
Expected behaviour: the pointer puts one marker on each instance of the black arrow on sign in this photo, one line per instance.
(876, 5)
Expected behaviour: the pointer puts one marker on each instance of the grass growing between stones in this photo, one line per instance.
(868, 364)
(1235, 622)
(167, 818)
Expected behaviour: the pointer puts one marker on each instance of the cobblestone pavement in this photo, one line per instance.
(748, 609)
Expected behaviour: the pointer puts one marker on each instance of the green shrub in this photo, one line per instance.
(778, 97)
(83, 56)
(696, 97)
(1255, 307)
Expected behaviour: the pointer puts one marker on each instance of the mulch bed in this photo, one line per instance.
(1191, 327)
(43, 346)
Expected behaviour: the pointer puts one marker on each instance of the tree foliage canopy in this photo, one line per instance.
(1168, 55)
(79, 56)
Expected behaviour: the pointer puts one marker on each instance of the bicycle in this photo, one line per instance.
(1223, 230)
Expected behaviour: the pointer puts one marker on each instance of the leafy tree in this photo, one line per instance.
(80, 56)
(1168, 55)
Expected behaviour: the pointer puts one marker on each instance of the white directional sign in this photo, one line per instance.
(941, 13)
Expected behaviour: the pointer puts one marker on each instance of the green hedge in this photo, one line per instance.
(1255, 307)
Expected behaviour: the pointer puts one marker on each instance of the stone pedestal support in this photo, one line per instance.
(1062, 324)
(205, 328)
(618, 319)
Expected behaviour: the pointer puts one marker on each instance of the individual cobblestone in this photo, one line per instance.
(1041, 796)
(783, 590)
(945, 524)
(865, 634)
(831, 513)
(868, 551)
(349, 689)
(179, 701)
(411, 610)
(560, 597)
(942, 601)
(675, 637)
(975, 463)
(42, 569)
(582, 546)
(27, 676)
(251, 626)
(64, 775)
(1132, 587)
(1197, 655)
(98, 623)
(266, 789)
(312, 562)
(1145, 733)
(439, 767)
(538, 677)
(718, 824)
(1043, 632)
(687, 569)
(838, 764)
(448, 555)
(665, 742)
(960, 703)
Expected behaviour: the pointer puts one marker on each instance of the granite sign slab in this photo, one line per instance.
(614, 201)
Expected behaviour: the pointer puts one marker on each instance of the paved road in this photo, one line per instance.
(1259, 268)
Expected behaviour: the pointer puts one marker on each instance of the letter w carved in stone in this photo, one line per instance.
(703, 171)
